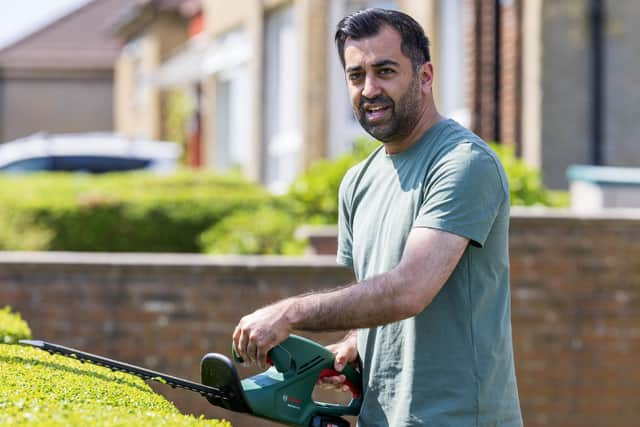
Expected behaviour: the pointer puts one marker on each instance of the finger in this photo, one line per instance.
(262, 357)
(340, 361)
(344, 355)
(236, 340)
(333, 348)
(243, 340)
(334, 380)
(251, 351)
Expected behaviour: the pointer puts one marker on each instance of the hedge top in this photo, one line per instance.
(12, 327)
(38, 389)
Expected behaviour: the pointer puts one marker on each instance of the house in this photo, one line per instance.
(298, 111)
(153, 32)
(59, 79)
(546, 77)
(580, 64)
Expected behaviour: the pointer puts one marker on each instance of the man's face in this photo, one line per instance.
(386, 93)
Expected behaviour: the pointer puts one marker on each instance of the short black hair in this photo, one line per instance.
(367, 23)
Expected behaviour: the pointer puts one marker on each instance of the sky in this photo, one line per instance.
(19, 18)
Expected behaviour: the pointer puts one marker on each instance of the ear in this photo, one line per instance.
(426, 76)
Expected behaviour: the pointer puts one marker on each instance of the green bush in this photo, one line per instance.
(313, 197)
(525, 182)
(269, 230)
(12, 327)
(314, 194)
(127, 212)
(194, 212)
(38, 389)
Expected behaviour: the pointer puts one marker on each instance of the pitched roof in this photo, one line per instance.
(143, 12)
(80, 40)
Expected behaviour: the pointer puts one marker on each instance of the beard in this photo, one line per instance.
(404, 114)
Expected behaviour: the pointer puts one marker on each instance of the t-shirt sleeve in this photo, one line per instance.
(463, 194)
(345, 232)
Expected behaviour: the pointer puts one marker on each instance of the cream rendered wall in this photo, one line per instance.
(136, 103)
(137, 106)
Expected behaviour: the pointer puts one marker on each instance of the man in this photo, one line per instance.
(424, 224)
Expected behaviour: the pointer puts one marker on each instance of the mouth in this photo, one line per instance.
(376, 113)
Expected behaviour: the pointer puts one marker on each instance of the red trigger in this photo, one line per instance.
(333, 373)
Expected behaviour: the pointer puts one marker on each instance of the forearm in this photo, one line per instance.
(379, 300)
(430, 257)
(389, 297)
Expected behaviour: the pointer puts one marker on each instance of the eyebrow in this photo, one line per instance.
(379, 64)
(384, 63)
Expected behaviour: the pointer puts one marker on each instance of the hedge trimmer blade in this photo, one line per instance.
(211, 393)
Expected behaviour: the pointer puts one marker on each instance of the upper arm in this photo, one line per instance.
(464, 194)
(429, 258)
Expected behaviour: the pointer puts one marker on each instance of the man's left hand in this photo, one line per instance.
(260, 331)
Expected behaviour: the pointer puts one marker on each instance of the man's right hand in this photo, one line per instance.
(346, 351)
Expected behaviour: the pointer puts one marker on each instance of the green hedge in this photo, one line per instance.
(267, 231)
(525, 182)
(128, 212)
(313, 196)
(194, 212)
(12, 327)
(38, 389)
(313, 199)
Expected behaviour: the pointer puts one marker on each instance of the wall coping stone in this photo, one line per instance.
(520, 212)
(249, 262)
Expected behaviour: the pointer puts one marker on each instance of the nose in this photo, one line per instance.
(371, 88)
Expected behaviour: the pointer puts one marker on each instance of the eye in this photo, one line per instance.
(386, 71)
(354, 77)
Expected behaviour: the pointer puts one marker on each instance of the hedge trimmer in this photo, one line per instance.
(282, 393)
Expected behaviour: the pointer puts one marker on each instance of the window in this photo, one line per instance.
(233, 119)
(452, 76)
(227, 61)
(282, 125)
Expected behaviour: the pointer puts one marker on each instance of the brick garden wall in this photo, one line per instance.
(575, 291)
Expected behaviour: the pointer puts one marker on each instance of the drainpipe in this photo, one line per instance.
(597, 20)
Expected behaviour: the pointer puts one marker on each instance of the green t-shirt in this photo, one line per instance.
(452, 364)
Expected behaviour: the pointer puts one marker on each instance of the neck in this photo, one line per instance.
(428, 118)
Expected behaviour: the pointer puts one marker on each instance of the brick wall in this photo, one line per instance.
(576, 319)
(575, 291)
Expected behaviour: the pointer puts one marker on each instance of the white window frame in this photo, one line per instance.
(282, 102)
(227, 60)
(452, 80)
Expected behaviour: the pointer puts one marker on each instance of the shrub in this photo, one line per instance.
(39, 389)
(269, 230)
(314, 195)
(127, 212)
(12, 327)
(525, 182)
(311, 199)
